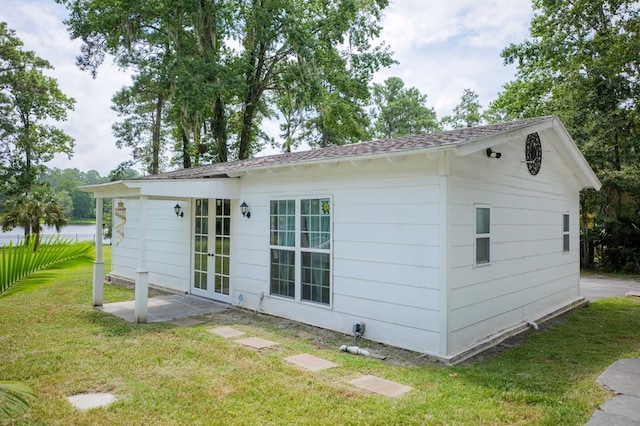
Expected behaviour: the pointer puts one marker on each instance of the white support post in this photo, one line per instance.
(98, 265)
(142, 279)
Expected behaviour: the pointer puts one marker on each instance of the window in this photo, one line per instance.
(282, 234)
(300, 234)
(483, 235)
(565, 232)
(315, 237)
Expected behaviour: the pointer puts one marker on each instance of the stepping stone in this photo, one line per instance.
(381, 386)
(186, 322)
(256, 342)
(87, 401)
(310, 362)
(226, 332)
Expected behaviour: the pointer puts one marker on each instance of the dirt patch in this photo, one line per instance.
(321, 338)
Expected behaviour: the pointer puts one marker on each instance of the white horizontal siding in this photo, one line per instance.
(168, 244)
(529, 274)
(386, 248)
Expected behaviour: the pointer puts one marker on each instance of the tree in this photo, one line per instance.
(581, 63)
(399, 111)
(29, 103)
(217, 64)
(141, 129)
(65, 183)
(30, 210)
(14, 396)
(468, 113)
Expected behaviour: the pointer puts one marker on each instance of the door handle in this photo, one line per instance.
(211, 254)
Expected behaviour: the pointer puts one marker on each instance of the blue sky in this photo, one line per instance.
(443, 48)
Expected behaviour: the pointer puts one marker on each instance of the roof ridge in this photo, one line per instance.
(377, 147)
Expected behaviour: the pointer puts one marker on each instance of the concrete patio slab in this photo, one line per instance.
(381, 386)
(633, 294)
(623, 378)
(257, 342)
(166, 308)
(310, 362)
(226, 332)
(87, 401)
(623, 405)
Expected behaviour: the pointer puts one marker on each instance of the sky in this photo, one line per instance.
(442, 47)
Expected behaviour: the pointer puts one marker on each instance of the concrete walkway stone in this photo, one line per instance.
(87, 401)
(310, 362)
(257, 342)
(623, 378)
(226, 332)
(381, 386)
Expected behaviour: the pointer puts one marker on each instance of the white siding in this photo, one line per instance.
(529, 275)
(168, 246)
(386, 248)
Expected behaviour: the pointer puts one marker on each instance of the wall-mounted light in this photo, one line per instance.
(492, 154)
(178, 210)
(244, 208)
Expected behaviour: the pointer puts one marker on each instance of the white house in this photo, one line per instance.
(444, 243)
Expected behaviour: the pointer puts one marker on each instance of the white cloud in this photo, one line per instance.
(39, 25)
(443, 48)
(446, 47)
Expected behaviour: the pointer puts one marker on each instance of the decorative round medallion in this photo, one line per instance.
(533, 153)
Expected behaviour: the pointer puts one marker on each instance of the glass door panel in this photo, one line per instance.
(212, 248)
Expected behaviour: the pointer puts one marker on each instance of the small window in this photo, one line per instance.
(483, 235)
(565, 232)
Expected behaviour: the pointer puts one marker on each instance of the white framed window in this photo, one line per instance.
(483, 235)
(300, 234)
(566, 235)
(282, 232)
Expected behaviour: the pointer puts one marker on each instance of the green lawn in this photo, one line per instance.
(54, 341)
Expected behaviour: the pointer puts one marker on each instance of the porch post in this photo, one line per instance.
(98, 266)
(142, 279)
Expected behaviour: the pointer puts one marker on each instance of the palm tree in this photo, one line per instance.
(30, 210)
(14, 397)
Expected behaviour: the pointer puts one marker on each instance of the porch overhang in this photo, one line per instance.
(167, 188)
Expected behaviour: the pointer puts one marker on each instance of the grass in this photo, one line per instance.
(55, 342)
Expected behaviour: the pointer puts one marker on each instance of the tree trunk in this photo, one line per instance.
(186, 158)
(616, 151)
(155, 142)
(244, 148)
(219, 130)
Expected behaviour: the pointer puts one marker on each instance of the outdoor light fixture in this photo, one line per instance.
(245, 210)
(178, 210)
(492, 154)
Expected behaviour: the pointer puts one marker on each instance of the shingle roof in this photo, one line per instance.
(354, 151)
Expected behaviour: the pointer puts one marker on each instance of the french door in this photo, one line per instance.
(212, 248)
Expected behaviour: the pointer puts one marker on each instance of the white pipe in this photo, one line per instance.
(354, 350)
(260, 301)
(532, 324)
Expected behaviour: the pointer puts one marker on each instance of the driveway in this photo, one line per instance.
(595, 287)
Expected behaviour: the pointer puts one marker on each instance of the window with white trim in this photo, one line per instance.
(483, 235)
(300, 233)
(565, 232)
